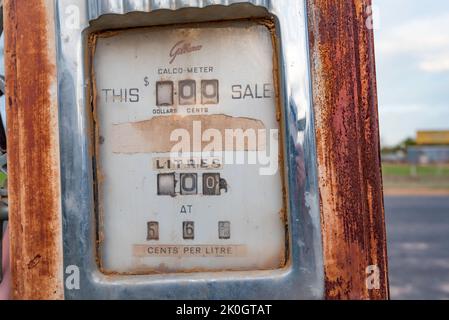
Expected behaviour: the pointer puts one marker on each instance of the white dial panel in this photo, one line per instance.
(206, 92)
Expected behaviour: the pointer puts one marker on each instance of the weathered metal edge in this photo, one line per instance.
(33, 155)
(98, 8)
(350, 182)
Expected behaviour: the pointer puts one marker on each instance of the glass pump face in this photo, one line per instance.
(187, 142)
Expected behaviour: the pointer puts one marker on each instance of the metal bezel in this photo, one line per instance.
(303, 277)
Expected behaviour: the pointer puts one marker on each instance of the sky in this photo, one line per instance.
(412, 58)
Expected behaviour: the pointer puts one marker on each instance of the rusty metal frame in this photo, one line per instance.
(347, 130)
(33, 155)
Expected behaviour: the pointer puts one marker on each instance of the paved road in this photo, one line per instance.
(418, 247)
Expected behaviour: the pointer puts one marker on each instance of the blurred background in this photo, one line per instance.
(412, 56)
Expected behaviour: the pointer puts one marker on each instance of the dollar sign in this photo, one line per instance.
(147, 83)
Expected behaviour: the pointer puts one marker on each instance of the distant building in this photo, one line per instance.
(432, 138)
(432, 147)
(396, 157)
(428, 154)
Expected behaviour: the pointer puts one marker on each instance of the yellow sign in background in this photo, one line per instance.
(432, 137)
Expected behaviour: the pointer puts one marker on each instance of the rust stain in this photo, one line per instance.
(270, 24)
(33, 263)
(33, 155)
(275, 262)
(345, 102)
(155, 135)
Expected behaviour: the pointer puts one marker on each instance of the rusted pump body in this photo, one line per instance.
(325, 89)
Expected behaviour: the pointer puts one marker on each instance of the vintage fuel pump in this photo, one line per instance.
(193, 150)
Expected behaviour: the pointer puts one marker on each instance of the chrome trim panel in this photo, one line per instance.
(304, 276)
